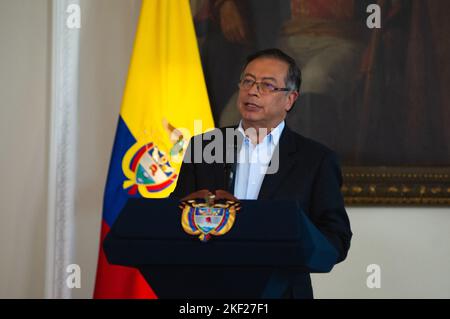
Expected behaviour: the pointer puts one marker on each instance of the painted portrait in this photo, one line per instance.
(377, 96)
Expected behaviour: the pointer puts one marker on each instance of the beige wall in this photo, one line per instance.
(24, 91)
(410, 245)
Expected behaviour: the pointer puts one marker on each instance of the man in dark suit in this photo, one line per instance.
(270, 161)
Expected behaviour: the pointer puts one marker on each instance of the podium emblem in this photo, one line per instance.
(208, 218)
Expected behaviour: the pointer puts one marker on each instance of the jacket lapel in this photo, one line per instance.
(225, 173)
(286, 148)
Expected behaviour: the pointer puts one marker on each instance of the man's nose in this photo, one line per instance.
(254, 90)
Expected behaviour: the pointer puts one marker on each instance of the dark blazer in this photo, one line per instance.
(308, 172)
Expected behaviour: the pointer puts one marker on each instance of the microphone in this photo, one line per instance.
(230, 168)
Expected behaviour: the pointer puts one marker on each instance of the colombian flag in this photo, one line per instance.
(164, 94)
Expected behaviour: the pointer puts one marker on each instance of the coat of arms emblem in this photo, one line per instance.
(208, 218)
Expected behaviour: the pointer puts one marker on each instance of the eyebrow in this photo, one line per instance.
(264, 78)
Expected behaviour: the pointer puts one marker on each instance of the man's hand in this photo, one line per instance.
(203, 193)
(222, 194)
(231, 23)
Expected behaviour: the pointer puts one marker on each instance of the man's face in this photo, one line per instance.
(265, 110)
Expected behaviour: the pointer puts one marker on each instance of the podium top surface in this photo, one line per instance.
(262, 220)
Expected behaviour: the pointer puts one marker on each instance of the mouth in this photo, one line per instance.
(251, 106)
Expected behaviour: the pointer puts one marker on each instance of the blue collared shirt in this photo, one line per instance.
(253, 161)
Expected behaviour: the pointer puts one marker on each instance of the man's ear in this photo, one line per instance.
(292, 97)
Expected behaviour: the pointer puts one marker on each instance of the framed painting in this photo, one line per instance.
(377, 96)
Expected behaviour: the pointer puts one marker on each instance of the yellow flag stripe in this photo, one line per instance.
(165, 91)
(165, 78)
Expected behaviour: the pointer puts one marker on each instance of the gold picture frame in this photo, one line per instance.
(396, 186)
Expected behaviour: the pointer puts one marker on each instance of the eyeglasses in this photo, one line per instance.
(263, 87)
